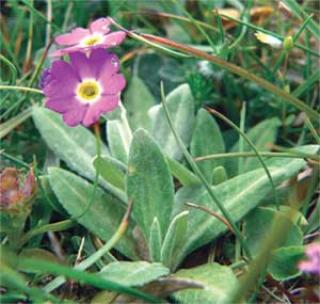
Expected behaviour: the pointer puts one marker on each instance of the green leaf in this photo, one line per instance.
(76, 146)
(218, 280)
(219, 175)
(283, 265)
(180, 103)
(174, 239)
(133, 273)
(207, 139)
(239, 195)
(180, 172)
(138, 100)
(155, 241)
(262, 135)
(149, 183)
(111, 171)
(257, 227)
(119, 136)
(51, 198)
(104, 215)
(8, 126)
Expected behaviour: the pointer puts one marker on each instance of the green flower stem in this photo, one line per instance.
(263, 154)
(251, 144)
(236, 70)
(197, 171)
(85, 264)
(18, 88)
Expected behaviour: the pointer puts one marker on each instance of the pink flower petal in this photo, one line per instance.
(63, 80)
(81, 63)
(61, 69)
(101, 25)
(106, 104)
(105, 64)
(113, 39)
(113, 85)
(74, 116)
(72, 38)
(61, 105)
(66, 51)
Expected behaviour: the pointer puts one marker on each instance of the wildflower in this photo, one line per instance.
(96, 36)
(84, 88)
(268, 39)
(13, 193)
(312, 265)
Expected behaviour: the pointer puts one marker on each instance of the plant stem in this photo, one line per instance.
(18, 88)
(252, 154)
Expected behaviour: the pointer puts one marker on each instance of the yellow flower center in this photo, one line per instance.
(92, 40)
(88, 90)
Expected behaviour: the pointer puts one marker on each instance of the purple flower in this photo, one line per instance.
(96, 36)
(312, 265)
(84, 88)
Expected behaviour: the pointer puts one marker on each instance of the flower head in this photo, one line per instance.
(96, 36)
(268, 39)
(312, 265)
(13, 193)
(84, 88)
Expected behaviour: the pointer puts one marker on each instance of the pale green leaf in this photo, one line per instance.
(102, 218)
(119, 136)
(76, 146)
(149, 183)
(174, 238)
(133, 273)
(155, 241)
(239, 195)
(207, 139)
(180, 103)
(138, 100)
(180, 172)
(111, 171)
(218, 280)
(284, 262)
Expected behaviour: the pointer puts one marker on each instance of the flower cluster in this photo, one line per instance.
(90, 83)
